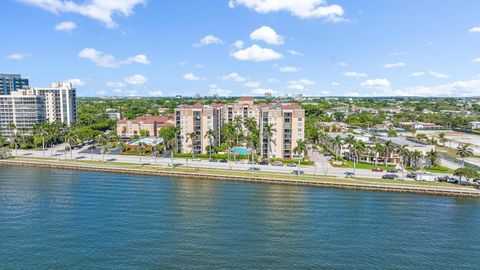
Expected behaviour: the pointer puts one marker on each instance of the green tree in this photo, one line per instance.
(433, 156)
(141, 147)
(210, 134)
(192, 136)
(468, 173)
(301, 148)
(464, 150)
(388, 149)
(392, 132)
(70, 137)
(356, 150)
(268, 131)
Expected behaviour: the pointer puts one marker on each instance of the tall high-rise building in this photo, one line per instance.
(60, 102)
(11, 82)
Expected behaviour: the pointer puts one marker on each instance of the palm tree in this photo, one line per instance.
(404, 154)
(432, 141)
(413, 131)
(42, 131)
(300, 149)
(268, 131)
(141, 147)
(70, 138)
(433, 157)
(210, 134)
(349, 140)
(464, 150)
(416, 157)
(337, 143)
(15, 139)
(238, 123)
(192, 136)
(356, 150)
(388, 149)
(102, 140)
(392, 132)
(442, 138)
(379, 150)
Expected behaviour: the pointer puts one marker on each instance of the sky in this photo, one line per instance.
(245, 47)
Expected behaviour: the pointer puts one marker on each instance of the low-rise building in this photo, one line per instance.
(474, 125)
(148, 126)
(20, 111)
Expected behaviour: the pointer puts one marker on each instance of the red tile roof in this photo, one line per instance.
(245, 99)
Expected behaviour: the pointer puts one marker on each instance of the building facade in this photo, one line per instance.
(149, 126)
(11, 82)
(20, 111)
(60, 102)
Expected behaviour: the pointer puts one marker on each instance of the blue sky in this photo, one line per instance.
(334, 48)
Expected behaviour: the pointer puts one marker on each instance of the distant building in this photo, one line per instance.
(420, 125)
(60, 102)
(21, 109)
(268, 95)
(474, 125)
(114, 115)
(11, 82)
(150, 126)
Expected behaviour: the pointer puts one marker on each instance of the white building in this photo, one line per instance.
(474, 125)
(60, 102)
(20, 111)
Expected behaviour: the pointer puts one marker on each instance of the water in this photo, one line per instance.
(56, 219)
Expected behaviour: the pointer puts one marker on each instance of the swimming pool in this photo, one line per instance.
(240, 150)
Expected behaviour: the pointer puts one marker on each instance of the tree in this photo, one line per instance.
(468, 173)
(413, 131)
(42, 131)
(404, 154)
(356, 150)
(432, 141)
(210, 134)
(337, 143)
(442, 138)
(71, 139)
(388, 148)
(102, 140)
(5, 153)
(300, 149)
(392, 132)
(464, 150)
(192, 136)
(238, 124)
(268, 131)
(141, 147)
(433, 157)
(379, 150)
(416, 157)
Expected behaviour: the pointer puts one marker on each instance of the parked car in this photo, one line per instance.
(297, 172)
(240, 162)
(412, 175)
(377, 170)
(196, 159)
(223, 161)
(263, 162)
(213, 160)
(253, 169)
(425, 177)
(349, 174)
(292, 165)
(390, 176)
(392, 171)
(452, 180)
(277, 163)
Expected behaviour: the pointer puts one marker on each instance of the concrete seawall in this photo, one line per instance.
(429, 190)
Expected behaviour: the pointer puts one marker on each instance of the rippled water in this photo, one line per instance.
(56, 219)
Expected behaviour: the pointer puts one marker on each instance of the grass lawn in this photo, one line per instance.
(436, 169)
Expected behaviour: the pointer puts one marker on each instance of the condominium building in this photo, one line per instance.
(60, 102)
(287, 119)
(11, 82)
(149, 126)
(20, 111)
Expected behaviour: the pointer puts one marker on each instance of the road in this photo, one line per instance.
(321, 168)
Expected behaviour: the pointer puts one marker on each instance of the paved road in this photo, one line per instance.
(319, 169)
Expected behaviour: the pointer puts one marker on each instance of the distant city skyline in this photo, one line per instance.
(245, 48)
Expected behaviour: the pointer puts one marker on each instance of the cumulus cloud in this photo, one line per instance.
(305, 9)
(354, 74)
(432, 73)
(376, 84)
(234, 77)
(268, 35)
(18, 56)
(215, 90)
(263, 91)
(453, 89)
(295, 53)
(252, 84)
(335, 84)
(417, 73)
(100, 10)
(257, 54)
(289, 69)
(136, 79)
(76, 82)
(208, 40)
(238, 44)
(273, 80)
(474, 29)
(300, 84)
(65, 26)
(476, 60)
(157, 93)
(101, 93)
(107, 60)
(192, 77)
(395, 65)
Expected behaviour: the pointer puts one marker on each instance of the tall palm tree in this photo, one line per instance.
(337, 143)
(464, 150)
(432, 141)
(404, 154)
(388, 149)
(379, 150)
(42, 131)
(238, 124)
(392, 132)
(70, 137)
(349, 140)
(141, 147)
(210, 134)
(268, 131)
(102, 139)
(433, 157)
(416, 157)
(301, 148)
(356, 150)
(192, 136)
(15, 139)
(442, 138)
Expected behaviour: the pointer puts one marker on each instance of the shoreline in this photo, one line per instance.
(427, 190)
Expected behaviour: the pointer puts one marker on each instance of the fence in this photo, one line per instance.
(459, 161)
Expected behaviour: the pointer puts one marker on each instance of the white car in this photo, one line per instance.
(196, 159)
(240, 162)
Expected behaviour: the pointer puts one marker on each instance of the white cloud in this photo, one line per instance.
(215, 90)
(354, 74)
(181, 63)
(252, 84)
(76, 82)
(116, 84)
(299, 84)
(476, 60)
(208, 40)
(234, 77)
(257, 54)
(117, 91)
(376, 84)
(295, 53)
(263, 91)
(304, 9)
(268, 35)
(395, 65)
(100, 10)
(157, 93)
(417, 74)
(199, 66)
(474, 29)
(101, 93)
(325, 93)
(191, 77)
(136, 79)
(18, 56)
(107, 60)
(438, 74)
(238, 44)
(352, 94)
(273, 80)
(341, 64)
(65, 26)
(453, 89)
(335, 84)
(289, 69)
